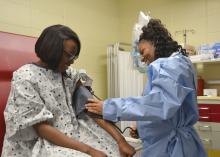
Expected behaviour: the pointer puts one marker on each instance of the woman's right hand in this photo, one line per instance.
(96, 153)
(134, 132)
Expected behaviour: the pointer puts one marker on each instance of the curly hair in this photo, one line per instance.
(156, 33)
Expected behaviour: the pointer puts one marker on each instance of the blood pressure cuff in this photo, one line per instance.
(79, 99)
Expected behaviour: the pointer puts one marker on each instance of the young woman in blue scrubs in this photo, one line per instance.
(167, 111)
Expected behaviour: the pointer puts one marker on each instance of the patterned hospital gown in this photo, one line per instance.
(37, 95)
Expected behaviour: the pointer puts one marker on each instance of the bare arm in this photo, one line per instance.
(107, 126)
(53, 135)
(124, 148)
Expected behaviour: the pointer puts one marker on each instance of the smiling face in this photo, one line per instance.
(69, 55)
(147, 51)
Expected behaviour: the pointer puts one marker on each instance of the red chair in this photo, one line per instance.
(15, 51)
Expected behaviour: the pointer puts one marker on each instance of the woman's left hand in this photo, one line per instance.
(125, 149)
(94, 106)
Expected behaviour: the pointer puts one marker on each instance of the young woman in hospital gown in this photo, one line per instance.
(167, 111)
(40, 120)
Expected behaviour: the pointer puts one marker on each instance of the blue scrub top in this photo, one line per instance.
(166, 112)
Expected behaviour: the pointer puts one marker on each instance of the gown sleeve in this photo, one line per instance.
(165, 97)
(24, 108)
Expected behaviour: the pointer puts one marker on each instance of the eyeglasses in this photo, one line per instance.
(70, 56)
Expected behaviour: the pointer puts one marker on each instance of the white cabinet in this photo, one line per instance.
(208, 127)
(209, 133)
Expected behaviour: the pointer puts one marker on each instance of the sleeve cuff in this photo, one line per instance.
(110, 111)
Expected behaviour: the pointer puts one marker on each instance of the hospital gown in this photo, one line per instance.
(37, 95)
(166, 112)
